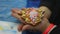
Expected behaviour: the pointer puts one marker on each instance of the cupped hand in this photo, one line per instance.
(17, 14)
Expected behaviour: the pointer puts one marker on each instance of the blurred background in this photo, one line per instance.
(8, 24)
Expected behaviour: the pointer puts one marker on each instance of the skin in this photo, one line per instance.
(41, 27)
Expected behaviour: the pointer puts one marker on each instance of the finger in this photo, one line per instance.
(31, 8)
(18, 11)
(18, 17)
(20, 27)
(23, 9)
(27, 27)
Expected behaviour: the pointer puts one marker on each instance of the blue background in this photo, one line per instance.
(7, 5)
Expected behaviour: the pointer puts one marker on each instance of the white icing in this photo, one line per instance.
(33, 15)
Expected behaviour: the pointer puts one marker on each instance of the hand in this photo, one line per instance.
(23, 26)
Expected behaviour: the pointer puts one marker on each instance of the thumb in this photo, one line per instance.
(26, 27)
